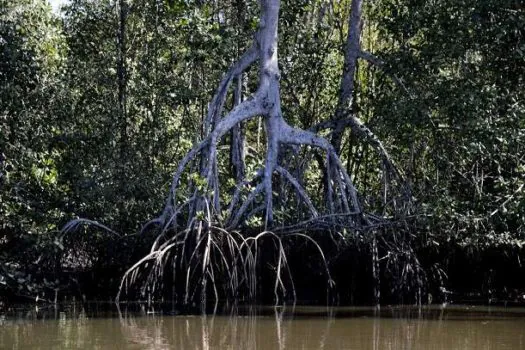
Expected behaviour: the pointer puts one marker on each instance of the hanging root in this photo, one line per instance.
(214, 262)
(406, 277)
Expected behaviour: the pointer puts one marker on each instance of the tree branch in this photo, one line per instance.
(217, 103)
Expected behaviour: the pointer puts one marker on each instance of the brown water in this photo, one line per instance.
(273, 328)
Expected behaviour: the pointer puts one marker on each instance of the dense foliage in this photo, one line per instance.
(460, 126)
(99, 103)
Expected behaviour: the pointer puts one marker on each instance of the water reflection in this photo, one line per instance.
(272, 328)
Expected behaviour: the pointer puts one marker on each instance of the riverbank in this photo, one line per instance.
(446, 272)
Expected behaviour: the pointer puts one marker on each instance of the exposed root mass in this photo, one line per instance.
(200, 250)
(200, 242)
(214, 262)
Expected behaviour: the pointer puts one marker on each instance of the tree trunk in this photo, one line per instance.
(237, 137)
(346, 89)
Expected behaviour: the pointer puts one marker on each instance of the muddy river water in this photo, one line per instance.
(436, 327)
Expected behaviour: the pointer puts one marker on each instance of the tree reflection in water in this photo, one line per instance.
(287, 328)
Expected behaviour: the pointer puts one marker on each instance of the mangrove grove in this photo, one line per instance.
(314, 151)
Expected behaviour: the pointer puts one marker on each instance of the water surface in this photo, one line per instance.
(458, 327)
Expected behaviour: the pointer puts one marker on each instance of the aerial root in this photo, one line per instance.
(217, 264)
(75, 224)
(341, 194)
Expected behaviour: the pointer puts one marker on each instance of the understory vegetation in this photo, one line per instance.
(319, 151)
